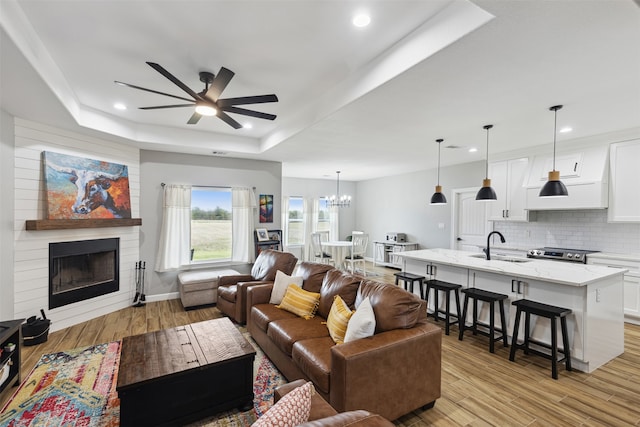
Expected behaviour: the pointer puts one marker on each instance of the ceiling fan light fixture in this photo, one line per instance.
(205, 109)
(554, 187)
(486, 193)
(438, 198)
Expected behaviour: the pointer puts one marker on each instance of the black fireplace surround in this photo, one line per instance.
(82, 270)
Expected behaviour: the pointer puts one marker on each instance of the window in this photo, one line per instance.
(295, 223)
(324, 223)
(211, 226)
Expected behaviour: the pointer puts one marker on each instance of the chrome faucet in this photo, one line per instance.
(487, 250)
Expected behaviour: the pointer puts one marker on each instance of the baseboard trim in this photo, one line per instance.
(162, 297)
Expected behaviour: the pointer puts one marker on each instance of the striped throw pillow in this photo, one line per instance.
(298, 301)
(338, 319)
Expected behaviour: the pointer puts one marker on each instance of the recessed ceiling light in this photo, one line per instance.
(219, 153)
(119, 106)
(566, 129)
(473, 150)
(247, 126)
(361, 20)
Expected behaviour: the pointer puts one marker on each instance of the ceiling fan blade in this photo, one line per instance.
(259, 99)
(251, 113)
(151, 90)
(228, 120)
(194, 119)
(220, 82)
(175, 81)
(158, 107)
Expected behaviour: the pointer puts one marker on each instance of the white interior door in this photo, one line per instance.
(470, 224)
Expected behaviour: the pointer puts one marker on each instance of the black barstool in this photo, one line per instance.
(410, 279)
(552, 313)
(492, 298)
(447, 288)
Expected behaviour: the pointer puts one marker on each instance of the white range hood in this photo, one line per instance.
(584, 172)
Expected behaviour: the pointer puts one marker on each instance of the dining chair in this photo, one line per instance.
(316, 246)
(359, 242)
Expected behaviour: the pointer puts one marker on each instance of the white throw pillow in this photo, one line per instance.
(363, 322)
(281, 284)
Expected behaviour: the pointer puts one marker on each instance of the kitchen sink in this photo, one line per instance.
(501, 258)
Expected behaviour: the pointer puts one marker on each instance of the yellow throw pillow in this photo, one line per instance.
(338, 319)
(300, 302)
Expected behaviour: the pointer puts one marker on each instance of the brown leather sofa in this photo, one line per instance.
(392, 373)
(323, 415)
(232, 290)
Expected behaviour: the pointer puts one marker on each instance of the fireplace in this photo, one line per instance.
(83, 269)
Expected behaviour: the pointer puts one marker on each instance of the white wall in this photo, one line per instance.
(171, 168)
(31, 263)
(401, 204)
(310, 188)
(6, 216)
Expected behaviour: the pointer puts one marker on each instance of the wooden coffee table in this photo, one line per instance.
(183, 374)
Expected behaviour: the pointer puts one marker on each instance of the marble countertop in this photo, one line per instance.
(565, 273)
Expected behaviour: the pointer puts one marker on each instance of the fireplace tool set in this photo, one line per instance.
(139, 299)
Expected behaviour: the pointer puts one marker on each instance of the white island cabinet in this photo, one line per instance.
(593, 293)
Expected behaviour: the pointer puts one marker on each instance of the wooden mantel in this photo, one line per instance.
(69, 224)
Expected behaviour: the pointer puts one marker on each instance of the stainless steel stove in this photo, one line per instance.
(561, 254)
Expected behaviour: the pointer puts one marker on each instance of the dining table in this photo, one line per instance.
(339, 250)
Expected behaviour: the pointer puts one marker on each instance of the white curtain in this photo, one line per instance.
(243, 205)
(285, 223)
(310, 214)
(334, 223)
(175, 236)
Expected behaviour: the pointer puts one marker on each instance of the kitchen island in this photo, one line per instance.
(593, 293)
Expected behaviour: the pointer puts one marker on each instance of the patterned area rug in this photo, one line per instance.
(77, 388)
(69, 388)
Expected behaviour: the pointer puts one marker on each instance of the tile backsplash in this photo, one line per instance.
(577, 229)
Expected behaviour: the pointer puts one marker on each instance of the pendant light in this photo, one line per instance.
(486, 193)
(337, 200)
(554, 187)
(438, 198)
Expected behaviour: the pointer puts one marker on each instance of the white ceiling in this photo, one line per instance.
(367, 101)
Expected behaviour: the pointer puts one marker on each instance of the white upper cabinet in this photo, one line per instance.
(584, 172)
(507, 179)
(624, 195)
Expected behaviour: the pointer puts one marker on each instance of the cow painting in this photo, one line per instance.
(83, 188)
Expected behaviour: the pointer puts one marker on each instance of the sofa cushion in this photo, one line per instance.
(228, 293)
(312, 274)
(313, 357)
(338, 319)
(298, 301)
(362, 323)
(262, 314)
(335, 283)
(292, 410)
(281, 284)
(393, 307)
(286, 332)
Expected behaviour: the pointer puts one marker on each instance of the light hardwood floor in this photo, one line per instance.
(478, 388)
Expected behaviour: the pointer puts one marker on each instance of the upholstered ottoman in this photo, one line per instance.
(200, 287)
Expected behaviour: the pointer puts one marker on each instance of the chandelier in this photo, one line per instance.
(337, 200)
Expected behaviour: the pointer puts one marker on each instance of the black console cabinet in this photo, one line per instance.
(10, 332)
(274, 242)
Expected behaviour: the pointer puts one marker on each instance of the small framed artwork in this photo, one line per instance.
(266, 208)
(262, 234)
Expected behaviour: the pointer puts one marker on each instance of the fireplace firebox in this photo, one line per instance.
(82, 269)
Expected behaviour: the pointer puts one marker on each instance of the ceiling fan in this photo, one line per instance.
(207, 102)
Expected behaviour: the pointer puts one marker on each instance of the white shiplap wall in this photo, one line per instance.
(32, 247)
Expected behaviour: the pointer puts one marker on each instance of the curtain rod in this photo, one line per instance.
(206, 186)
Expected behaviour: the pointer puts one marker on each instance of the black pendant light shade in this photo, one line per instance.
(554, 187)
(438, 198)
(486, 193)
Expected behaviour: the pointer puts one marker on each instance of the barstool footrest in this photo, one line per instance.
(535, 351)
